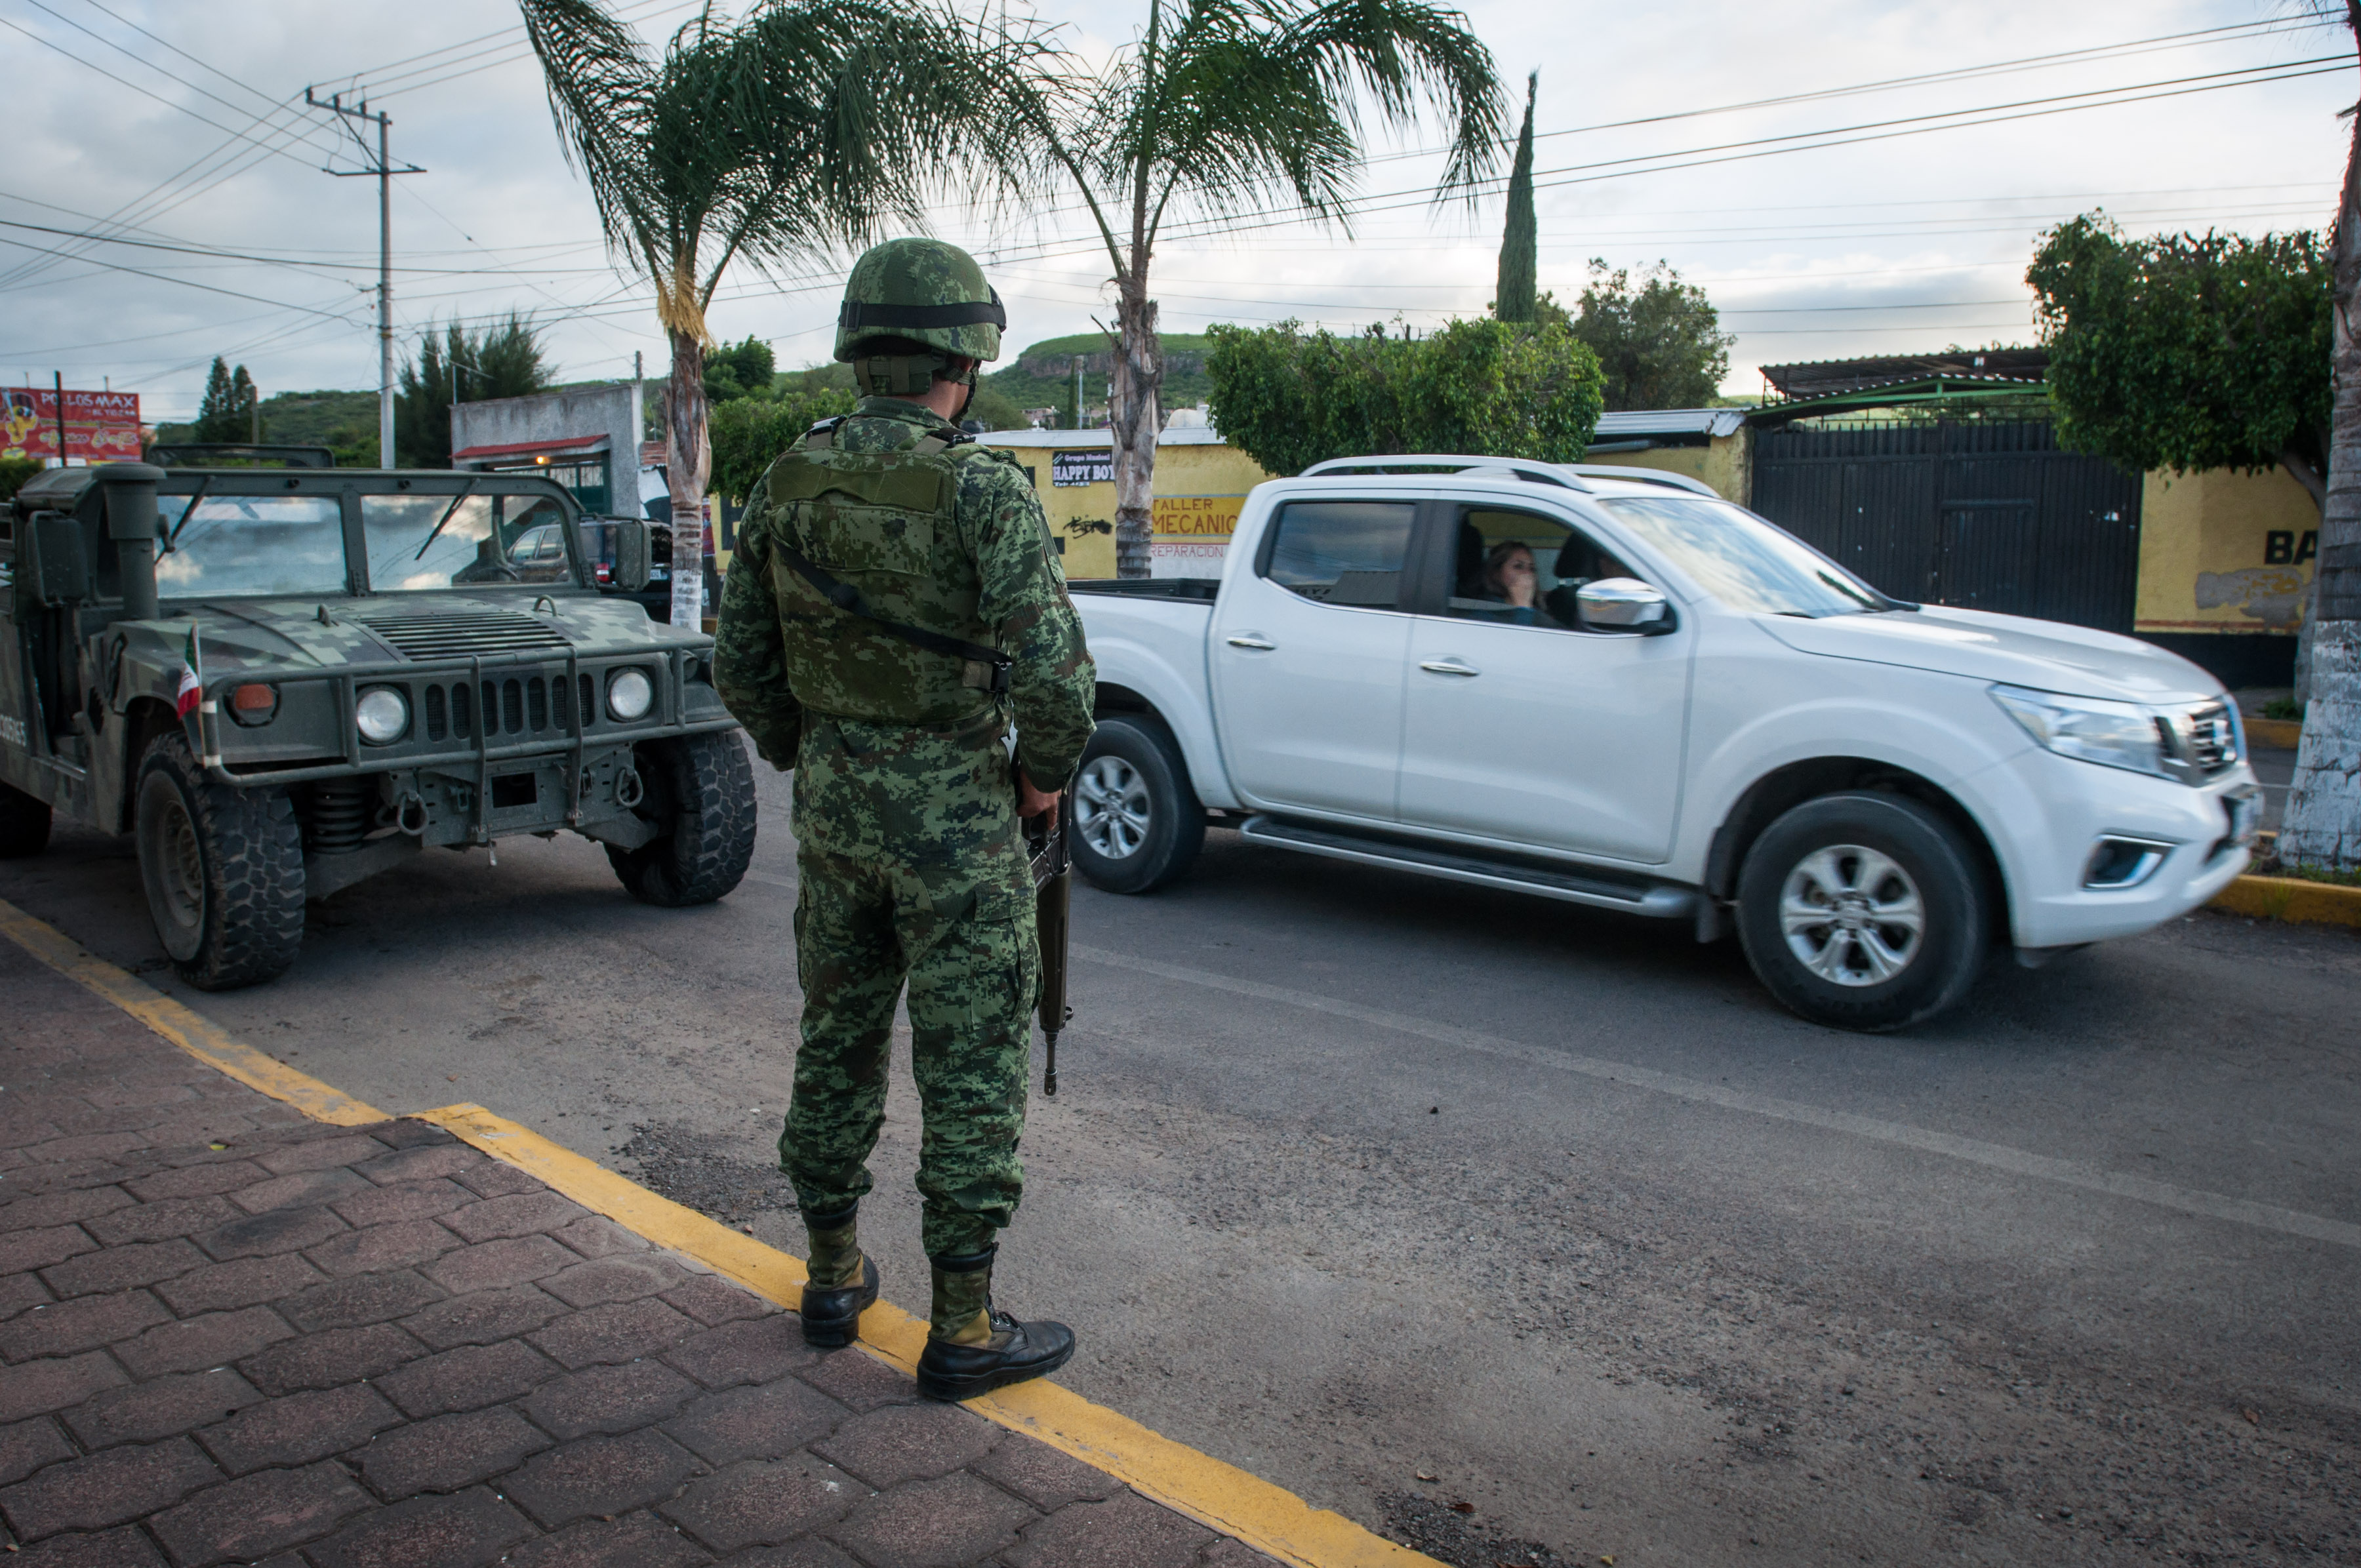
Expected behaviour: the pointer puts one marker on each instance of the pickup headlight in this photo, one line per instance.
(2088, 730)
(629, 695)
(382, 715)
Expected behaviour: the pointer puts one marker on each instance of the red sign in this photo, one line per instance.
(101, 427)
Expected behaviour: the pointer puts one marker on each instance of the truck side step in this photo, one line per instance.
(1662, 901)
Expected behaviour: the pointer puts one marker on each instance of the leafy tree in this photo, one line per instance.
(1289, 399)
(14, 472)
(739, 370)
(1512, 295)
(775, 137)
(2186, 352)
(1223, 109)
(1661, 345)
(504, 360)
(2322, 826)
(749, 433)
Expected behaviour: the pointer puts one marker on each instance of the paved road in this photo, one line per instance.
(1359, 1179)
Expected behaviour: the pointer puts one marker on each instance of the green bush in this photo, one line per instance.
(749, 433)
(14, 472)
(1495, 389)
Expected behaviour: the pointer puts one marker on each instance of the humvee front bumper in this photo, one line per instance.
(491, 745)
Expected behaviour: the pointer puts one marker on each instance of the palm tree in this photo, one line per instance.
(2323, 824)
(781, 136)
(1224, 110)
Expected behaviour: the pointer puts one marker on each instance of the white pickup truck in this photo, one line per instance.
(1611, 686)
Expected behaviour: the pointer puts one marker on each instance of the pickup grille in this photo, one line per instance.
(2213, 743)
(459, 633)
(518, 705)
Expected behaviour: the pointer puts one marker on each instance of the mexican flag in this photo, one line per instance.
(184, 701)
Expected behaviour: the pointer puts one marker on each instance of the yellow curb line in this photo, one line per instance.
(2291, 898)
(2284, 733)
(198, 1036)
(1267, 1517)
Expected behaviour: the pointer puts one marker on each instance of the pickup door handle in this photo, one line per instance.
(1250, 640)
(1449, 667)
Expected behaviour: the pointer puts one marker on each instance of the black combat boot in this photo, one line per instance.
(973, 1349)
(840, 1283)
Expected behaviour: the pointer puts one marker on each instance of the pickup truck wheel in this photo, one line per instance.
(1137, 825)
(701, 787)
(1864, 911)
(222, 868)
(23, 824)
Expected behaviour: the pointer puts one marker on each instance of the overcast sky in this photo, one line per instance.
(172, 125)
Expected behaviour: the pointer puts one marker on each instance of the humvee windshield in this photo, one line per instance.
(244, 545)
(422, 542)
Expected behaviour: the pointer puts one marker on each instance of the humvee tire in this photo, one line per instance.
(23, 824)
(222, 868)
(702, 786)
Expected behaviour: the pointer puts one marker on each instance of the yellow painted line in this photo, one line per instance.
(2291, 898)
(2284, 733)
(198, 1036)
(1265, 1517)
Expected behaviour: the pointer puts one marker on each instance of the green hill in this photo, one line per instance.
(1042, 375)
(344, 422)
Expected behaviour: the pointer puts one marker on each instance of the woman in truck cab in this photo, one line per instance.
(1513, 581)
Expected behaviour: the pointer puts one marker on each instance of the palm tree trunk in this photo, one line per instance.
(2322, 827)
(1134, 419)
(688, 464)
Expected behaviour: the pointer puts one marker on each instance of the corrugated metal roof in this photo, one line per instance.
(1834, 376)
(1633, 424)
(1084, 440)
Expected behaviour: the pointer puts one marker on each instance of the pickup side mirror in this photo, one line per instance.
(1624, 604)
(54, 568)
(618, 551)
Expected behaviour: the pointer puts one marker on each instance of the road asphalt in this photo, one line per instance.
(1405, 1196)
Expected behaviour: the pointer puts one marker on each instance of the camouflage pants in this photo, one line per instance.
(911, 870)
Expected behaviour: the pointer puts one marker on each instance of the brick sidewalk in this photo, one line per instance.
(231, 1334)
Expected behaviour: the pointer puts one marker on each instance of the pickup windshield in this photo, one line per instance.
(1741, 560)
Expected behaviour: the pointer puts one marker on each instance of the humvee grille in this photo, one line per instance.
(458, 633)
(520, 705)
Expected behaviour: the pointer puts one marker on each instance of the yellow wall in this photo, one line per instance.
(1727, 464)
(1199, 492)
(2207, 551)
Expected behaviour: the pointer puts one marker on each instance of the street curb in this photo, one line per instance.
(1267, 1517)
(2292, 899)
(2284, 733)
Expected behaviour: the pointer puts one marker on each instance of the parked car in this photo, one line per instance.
(281, 682)
(651, 592)
(1688, 714)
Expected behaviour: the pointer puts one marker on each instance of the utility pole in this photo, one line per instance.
(384, 171)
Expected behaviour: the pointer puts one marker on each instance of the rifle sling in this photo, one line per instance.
(986, 669)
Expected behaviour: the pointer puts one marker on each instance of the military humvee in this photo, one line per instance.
(280, 681)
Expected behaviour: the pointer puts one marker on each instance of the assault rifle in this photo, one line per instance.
(1053, 886)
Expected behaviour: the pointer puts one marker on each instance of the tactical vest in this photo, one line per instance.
(855, 513)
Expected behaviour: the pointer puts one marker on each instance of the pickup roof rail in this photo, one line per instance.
(1565, 476)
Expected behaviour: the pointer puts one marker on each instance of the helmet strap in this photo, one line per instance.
(898, 375)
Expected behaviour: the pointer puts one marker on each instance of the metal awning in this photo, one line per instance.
(564, 443)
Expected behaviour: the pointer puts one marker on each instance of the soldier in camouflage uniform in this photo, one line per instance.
(893, 602)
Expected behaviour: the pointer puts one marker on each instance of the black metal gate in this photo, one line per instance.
(1983, 516)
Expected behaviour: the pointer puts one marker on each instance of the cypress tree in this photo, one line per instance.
(1513, 298)
(219, 417)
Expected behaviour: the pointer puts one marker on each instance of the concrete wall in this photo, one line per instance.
(2224, 551)
(1726, 462)
(612, 412)
(1201, 486)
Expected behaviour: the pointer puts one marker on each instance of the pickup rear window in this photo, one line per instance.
(1347, 553)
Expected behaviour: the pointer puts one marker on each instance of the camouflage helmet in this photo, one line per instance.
(922, 290)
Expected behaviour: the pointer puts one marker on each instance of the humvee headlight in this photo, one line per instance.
(629, 695)
(383, 716)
